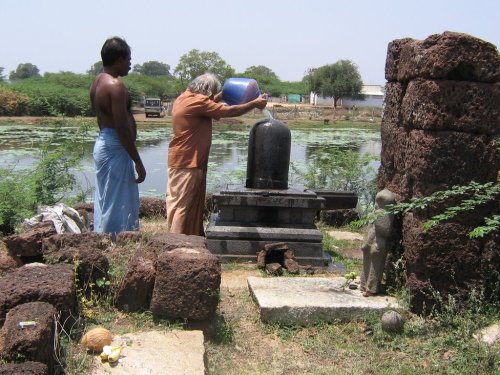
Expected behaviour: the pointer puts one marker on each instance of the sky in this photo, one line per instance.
(289, 37)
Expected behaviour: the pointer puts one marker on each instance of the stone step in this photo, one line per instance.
(308, 300)
(305, 253)
(303, 261)
(233, 232)
(154, 352)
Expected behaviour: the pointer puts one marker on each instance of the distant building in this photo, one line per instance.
(373, 94)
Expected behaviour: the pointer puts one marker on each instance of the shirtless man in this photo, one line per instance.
(116, 205)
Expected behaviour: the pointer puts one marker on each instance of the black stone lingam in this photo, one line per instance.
(266, 211)
(268, 155)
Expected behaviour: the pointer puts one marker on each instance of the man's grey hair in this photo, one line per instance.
(206, 84)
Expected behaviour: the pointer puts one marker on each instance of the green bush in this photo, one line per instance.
(342, 170)
(51, 97)
(47, 182)
(67, 93)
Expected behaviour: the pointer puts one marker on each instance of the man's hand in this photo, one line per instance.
(260, 102)
(141, 171)
(218, 97)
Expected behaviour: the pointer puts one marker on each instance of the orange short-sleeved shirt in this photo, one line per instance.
(192, 116)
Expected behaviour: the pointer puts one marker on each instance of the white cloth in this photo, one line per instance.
(64, 218)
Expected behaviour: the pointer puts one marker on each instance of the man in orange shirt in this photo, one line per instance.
(189, 148)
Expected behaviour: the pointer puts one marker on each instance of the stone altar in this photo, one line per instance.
(266, 210)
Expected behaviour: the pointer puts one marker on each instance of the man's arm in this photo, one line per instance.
(124, 128)
(240, 109)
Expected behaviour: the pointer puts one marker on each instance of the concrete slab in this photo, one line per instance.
(174, 353)
(307, 300)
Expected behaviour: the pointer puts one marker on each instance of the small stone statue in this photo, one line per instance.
(376, 244)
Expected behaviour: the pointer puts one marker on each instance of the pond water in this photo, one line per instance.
(19, 145)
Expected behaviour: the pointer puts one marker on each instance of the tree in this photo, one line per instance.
(154, 68)
(137, 68)
(260, 71)
(24, 71)
(1, 74)
(339, 80)
(95, 69)
(196, 62)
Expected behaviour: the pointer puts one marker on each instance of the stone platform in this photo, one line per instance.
(155, 352)
(247, 219)
(307, 300)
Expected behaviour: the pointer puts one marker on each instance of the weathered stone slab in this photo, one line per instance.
(152, 207)
(272, 234)
(394, 93)
(243, 243)
(187, 284)
(436, 160)
(34, 343)
(462, 106)
(137, 287)
(393, 159)
(8, 261)
(172, 353)
(393, 56)
(54, 284)
(29, 243)
(307, 300)
(91, 265)
(305, 252)
(86, 251)
(128, 236)
(241, 206)
(267, 199)
(91, 240)
(240, 215)
(451, 56)
(169, 241)
(446, 258)
(25, 368)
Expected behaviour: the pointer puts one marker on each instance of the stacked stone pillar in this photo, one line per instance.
(440, 128)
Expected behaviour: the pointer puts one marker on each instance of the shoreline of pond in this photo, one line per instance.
(234, 123)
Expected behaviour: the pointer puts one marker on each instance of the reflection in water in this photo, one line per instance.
(228, 156)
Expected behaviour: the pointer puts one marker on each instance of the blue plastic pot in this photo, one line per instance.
(240, 90)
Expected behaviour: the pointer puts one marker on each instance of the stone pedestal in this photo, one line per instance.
(247, 219)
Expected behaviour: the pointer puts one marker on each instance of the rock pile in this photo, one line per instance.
(439, 129)
(42, 275)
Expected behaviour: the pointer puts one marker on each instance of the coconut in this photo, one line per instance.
(392, 322)
(96, 339)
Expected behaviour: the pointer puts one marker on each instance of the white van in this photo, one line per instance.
(154, 107)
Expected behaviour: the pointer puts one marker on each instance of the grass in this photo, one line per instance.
(352, 347)
(442, 343)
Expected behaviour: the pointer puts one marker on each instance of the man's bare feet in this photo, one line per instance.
(366, 293)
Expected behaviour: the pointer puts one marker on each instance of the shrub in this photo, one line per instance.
(45, 183)
(53, 97)
(342, 170)
(12, 103)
